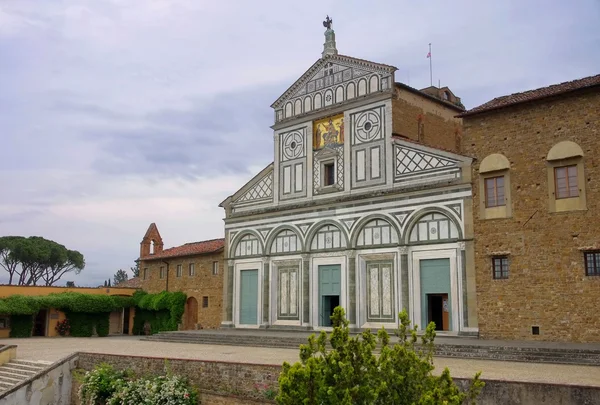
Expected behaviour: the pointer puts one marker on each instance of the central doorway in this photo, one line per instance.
(437, 311)
(329, 292)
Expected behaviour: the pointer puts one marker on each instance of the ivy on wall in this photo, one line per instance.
(163, 311)
(86, 312)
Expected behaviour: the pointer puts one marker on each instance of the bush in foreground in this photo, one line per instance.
(351, 374)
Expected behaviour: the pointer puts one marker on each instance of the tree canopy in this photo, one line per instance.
(35, 260)
(119, 277)
(350, 373)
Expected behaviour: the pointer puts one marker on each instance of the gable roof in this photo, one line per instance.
(189, 249)
(320, 62)
(537, 94)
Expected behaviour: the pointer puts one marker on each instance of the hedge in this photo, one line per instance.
(85, 311)
(21, 325)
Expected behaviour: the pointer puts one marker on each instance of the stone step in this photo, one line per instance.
(16, 371)
(503, 353)
(28, 366)
(14, 379)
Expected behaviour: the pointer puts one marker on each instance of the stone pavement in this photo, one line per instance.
(52, 349)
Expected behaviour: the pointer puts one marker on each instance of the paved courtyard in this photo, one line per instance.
(52, 349)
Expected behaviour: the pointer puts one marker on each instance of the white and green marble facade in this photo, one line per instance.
(394, 203)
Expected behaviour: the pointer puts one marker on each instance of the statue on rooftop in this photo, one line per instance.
(327, 23)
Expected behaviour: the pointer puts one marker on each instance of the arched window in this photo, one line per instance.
(286, 241)
(377, 232)
(566, 182)
(433, 227)
(328, 237)
(152, 247)
(494, 186)
(248, 245)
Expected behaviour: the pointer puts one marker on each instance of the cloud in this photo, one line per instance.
(118, 113)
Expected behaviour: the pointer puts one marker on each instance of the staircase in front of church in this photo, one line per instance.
(457, 347)
(17, 371)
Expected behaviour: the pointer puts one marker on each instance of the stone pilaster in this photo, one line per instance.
(404, 281)
(352, 290)
(463, 275)
(305, 291)
(266, 292)
(228, 294)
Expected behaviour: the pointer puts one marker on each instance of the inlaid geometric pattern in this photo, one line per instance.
(261, 190)
(328, 237)
(380, 291)
(433, 227)
(411, 161)
(286, 241)
(293, 145)
(288, 293)
(377, 232)
(338, 153)
(249, 245)
(366, 126)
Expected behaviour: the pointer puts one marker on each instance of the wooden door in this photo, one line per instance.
(191, 313)
(115, 321)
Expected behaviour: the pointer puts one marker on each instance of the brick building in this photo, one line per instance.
(367, 205)
(194, 268)
(536, 209)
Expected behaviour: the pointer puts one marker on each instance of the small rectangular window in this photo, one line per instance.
(566, 181)
(494, 192)
(205, 302)
(328, 174)
(162, 272)
(192, 270)
(179, 270)
(215, 268)
(145, 273)
(592, 263)
(500, 267)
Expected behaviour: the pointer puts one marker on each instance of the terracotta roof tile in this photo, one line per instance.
(134, 282)
(189, 249)
(516, 98)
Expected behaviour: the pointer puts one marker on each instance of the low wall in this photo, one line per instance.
(7, 353)
(49, 387)
(224, 383)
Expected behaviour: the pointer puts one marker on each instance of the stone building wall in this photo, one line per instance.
(427, 121)
(547, 286)
(202, 284)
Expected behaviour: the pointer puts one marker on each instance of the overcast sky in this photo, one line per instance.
(118, 113)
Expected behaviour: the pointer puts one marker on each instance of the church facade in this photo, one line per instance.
(366, 206)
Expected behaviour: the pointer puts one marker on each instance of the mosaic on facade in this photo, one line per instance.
(328, 131)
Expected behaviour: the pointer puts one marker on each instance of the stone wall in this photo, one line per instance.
(429, 122)
(51, 387)
(547, 285)
(202, 284)
(230, 382)
(234, 383)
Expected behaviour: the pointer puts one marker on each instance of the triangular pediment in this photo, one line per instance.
(414, 159)
(260, 188)
(335, 73)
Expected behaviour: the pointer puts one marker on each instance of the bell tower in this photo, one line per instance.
(152, 242)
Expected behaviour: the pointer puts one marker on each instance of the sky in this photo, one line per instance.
(118, 113)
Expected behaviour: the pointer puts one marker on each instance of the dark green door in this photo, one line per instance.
(435, 280)
(329, 292)
(249, 297)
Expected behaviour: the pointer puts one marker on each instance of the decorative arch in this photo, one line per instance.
(564, 150)
(289, 109)
(339, 94)
(362, 87)
(447, 226)
(326, 235)
(279, 236)
(298, 107)
(318, 101)
(246, 243)
(307, 104)
(374, 84)
(350, 91)
(386, 237)
(494, 162)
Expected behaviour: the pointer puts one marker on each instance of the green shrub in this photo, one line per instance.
(351, 373)
(105, 385)
(163, 311)
(21, 325)
(99, 385)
